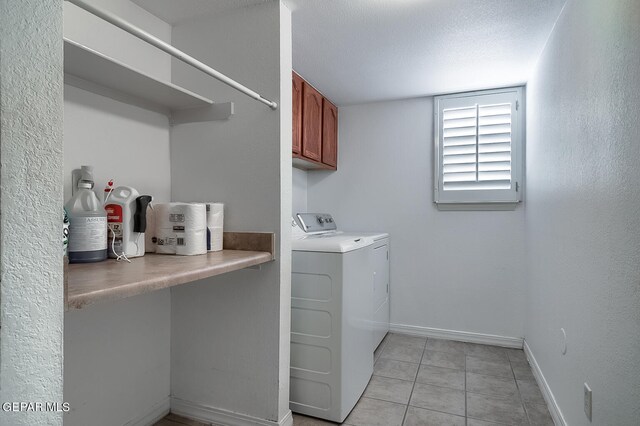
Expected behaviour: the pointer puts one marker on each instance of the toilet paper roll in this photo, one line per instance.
(191, 243)
(150, 234)
(181, 228)
(188, 243)
(165, 241)
(181, 216)
(215, 226)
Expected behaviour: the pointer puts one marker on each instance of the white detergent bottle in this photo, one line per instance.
(87, 224)
(121, 208)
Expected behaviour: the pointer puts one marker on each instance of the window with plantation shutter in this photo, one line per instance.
(479, 147)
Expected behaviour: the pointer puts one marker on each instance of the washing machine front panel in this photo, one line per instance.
(331, 336)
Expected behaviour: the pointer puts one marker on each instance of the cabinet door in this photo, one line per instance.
(329, 134)
(297, 114)
(311, 123)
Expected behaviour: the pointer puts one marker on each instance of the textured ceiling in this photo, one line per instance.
(357, 51)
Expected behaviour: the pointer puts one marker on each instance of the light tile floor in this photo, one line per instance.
(432, 382)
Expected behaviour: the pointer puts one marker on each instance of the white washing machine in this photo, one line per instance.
(333, 330)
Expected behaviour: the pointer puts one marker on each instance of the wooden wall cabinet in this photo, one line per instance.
(315, 128)
(311, 123)
(329, 133)
(297, 113)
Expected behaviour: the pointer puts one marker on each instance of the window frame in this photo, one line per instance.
(481, 199)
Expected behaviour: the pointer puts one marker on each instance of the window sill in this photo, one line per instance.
(477, 206)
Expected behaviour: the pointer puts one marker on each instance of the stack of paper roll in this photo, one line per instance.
(150, 238)
(181, 228)
(215, 226)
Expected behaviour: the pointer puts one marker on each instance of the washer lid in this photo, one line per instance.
(331, 243)
(375, 235)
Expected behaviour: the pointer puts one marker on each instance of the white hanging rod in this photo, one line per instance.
(153, 40)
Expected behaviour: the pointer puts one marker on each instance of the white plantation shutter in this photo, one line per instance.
(478, 140)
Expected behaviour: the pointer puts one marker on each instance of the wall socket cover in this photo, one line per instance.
(563, 345)
(588, 403)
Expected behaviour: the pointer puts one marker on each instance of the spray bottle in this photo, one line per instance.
(107, 191)
(126, 215)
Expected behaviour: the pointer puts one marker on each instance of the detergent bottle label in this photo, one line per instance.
(114, 221)
(89, 233)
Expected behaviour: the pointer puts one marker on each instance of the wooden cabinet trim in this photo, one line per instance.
(296, 143)
(311, 122)
(329, 133)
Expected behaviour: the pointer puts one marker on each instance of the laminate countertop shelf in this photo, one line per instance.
(90, 283)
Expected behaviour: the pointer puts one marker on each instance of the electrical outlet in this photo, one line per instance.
(587, 401)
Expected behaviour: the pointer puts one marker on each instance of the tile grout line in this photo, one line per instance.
(492, 395)
(487, 357)
(406, 410)
(392, 378)
(443, 387)
(466, 414)
(380, 399)
(439, 411)
(437, 366)
(439, 386)
(524, 407)
(492, 421)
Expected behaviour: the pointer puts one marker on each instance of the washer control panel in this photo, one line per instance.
(314, 222)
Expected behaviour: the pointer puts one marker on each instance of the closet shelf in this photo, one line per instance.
(90, 283)
(91, 70)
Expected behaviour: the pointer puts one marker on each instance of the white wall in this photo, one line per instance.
(91, 31)
(582, 210)
(457, 270)
(286, 194)
(299, 191)
(122, 142)
(117, 361)
(230, 334)
(31, 294)
(130, 145)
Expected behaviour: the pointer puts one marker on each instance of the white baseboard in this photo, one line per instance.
(463, 336)
(554, 409)
(222, 417)
(155, 414)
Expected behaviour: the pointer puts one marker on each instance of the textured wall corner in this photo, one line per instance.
(31, 291)
(582, 221)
